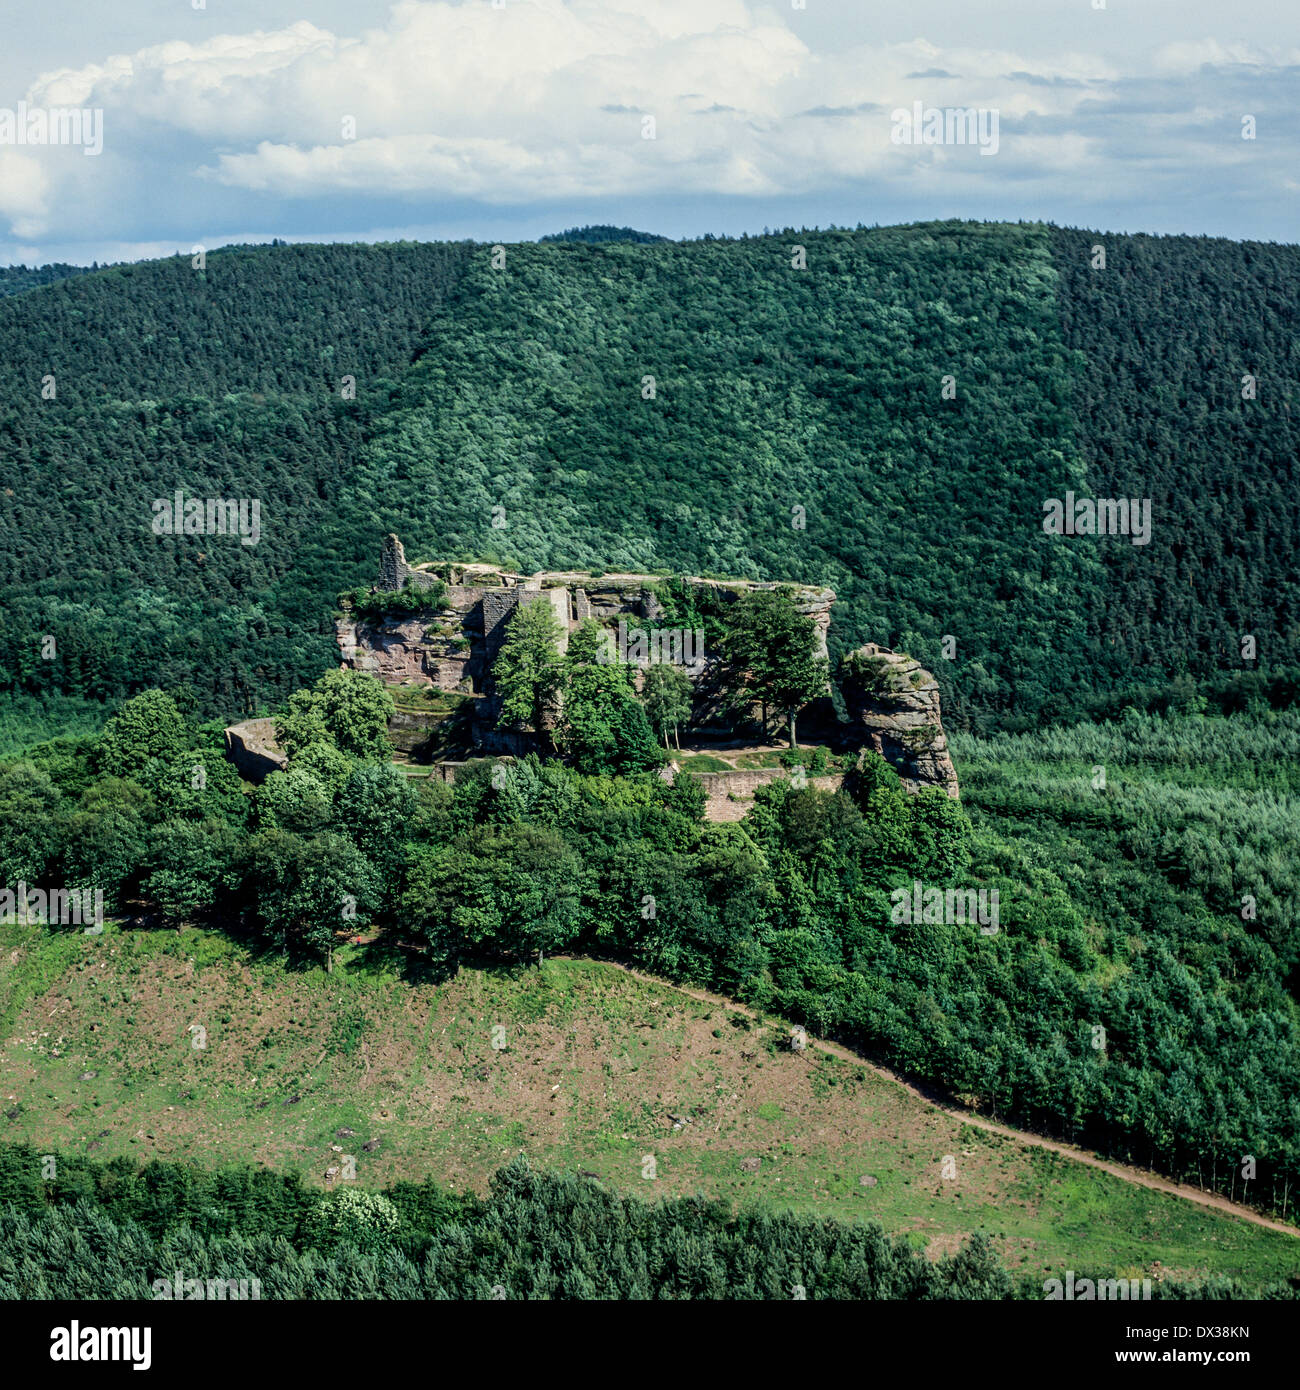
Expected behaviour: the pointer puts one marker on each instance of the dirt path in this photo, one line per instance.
(1020, 1136)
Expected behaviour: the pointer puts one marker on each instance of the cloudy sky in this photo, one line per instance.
(233, 120)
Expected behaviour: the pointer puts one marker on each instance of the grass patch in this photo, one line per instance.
(577, 1064)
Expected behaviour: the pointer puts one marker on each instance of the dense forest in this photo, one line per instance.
(600, 233)
(225, 382)
(114, 1231)
(885, 412)
(1138, 992)
(15, 279)
(1191, 370)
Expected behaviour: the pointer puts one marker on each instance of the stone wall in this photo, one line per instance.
(251, 746)
(454, 646)
(892, 703)
(394, 572)
(729, 795)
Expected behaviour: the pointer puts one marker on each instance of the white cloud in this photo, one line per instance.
(1190, 55)
(23, 191)
(543, 100)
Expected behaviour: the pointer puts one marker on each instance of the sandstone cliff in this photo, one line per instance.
(451, 644)
(894, 703)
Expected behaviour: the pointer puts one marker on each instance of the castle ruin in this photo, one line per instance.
(892, 703)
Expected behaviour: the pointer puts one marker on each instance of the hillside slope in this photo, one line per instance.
(595, 1071)
(224, 382)
(1175, 333)
(797, 426)
(18, 279)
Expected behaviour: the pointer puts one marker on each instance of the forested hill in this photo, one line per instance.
(1169, 332)
(706, 405)
(227, 382)
(16, 279)
(604, 233)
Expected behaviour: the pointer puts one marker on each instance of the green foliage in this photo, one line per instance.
(366, 1221)
(224, 383)
(374, 810)
(196, 785)
(867, 674)
(603, 234)
(307, 889)
(294, 800)
(923, 514)
(667, 693)
(771, 650)
(18, 279)
(1159, 907)
(29, 836)
(106, 839)
(193, 868)
(510, 889)
(349, 709)
(603, 729)
(589, 645)
(528, 672)
(1163, 339)
(148, 726)
(537, 380)
(331, 767)
(940, 836)
(1122, 908)
(379, 604)
(111, 1229)
(26, 719)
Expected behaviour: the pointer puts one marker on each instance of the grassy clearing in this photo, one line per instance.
(816, 757)
(427, 699)
(577, 1064)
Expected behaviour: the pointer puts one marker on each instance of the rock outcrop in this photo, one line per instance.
(894, 702)
(453, 643)
(419, 649)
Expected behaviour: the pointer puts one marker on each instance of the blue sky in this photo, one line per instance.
(349, 119)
